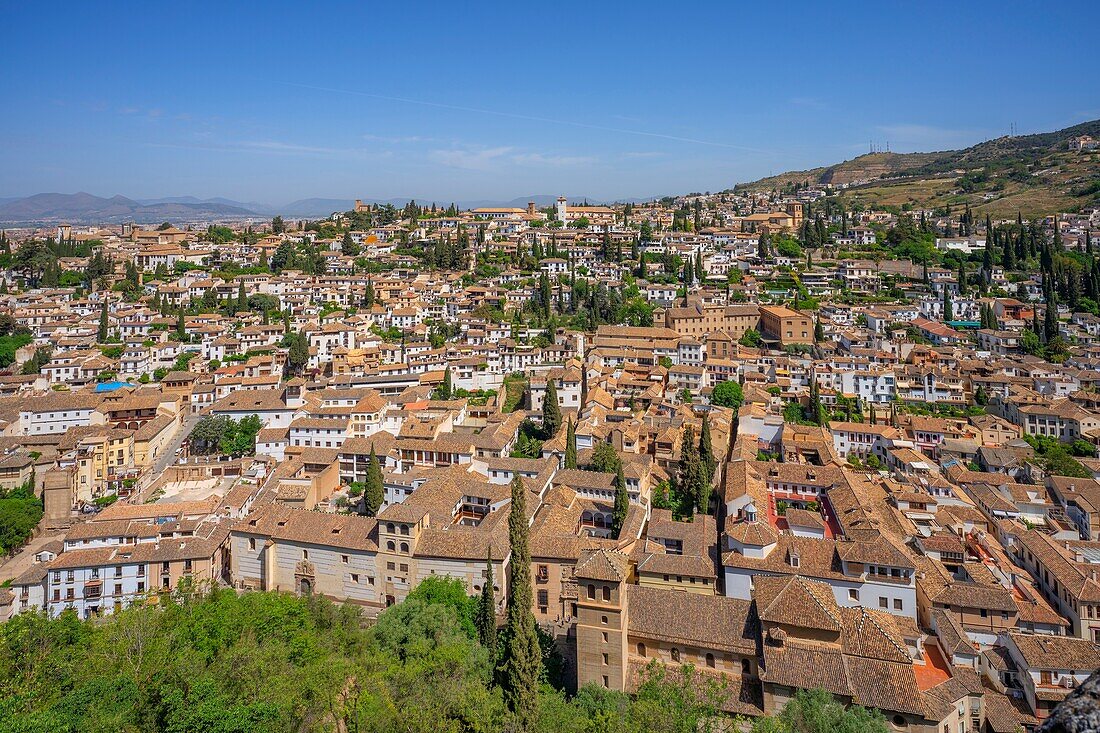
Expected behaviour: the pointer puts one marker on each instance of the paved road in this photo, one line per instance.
(15, 566)
(168, 456)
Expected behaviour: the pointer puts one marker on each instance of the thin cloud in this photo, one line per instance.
(264, 147)
(483, 159)
(530, 118)
(476, 160)
(400, 139)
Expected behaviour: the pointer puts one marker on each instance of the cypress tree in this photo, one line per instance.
(622, 501)
(570, 445)
(374, 495)
(706, 451)
(692, 473)
(486, 620)
(101, 335)
(819, 331)
(551, 410)
(1050, 320)
(446, 390)
(947, 314)
(181, 328)
(522, 655)
(242, 299)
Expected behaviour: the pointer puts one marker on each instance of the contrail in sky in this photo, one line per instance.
(529, 118)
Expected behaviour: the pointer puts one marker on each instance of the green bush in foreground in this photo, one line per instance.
(255, 662)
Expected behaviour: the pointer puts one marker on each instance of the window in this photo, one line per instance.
(305, 554)
(404, 568)
(344, 559)
(591, 592)
(603, 620)
(354, 577)
(605, 681)
(607, 593)
(390, 546)
(675, 654)
(883, 602)
(746, 667)
(405, 547)
(641, 649)
(897, 604)
(389, 566)
(605, 659)
(853, 594)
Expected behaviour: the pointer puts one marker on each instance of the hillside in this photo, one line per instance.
(1033, 174)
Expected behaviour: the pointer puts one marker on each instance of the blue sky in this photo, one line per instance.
(446, 101)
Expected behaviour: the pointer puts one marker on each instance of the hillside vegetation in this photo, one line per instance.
(1035, 175)
(256, 662)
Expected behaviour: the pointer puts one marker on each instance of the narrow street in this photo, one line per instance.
(168, 456)
(19, 563)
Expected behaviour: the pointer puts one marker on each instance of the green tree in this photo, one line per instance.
(706, 451)
(277, 225)
(101, 334)
(622, 501)
(605, 459)
(298, 354)
(486, 612)
(727, 394)
(522, 657)
(570, 445)
(551, 410)
(816, 711)
(947, 314)
(751, 338)
(446, 390)
(348, 247)
(692, 475)
(374, 493)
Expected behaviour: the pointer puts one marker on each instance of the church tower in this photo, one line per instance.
(560, 210)
(602, 599)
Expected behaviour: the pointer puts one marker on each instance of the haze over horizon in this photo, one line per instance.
(499, 101)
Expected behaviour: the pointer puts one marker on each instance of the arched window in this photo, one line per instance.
(591, 592)
(641, 649)
(746, 668)
(607, 593)
(710, 660)
(404, 547)
(405, 529)
(389, 527)
(675, 654)
(389, 545)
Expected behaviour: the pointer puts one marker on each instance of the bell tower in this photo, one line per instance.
(602, 601)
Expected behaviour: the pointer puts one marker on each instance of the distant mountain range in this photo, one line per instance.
(1035, 175)
(81, 208)
(84, 208)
